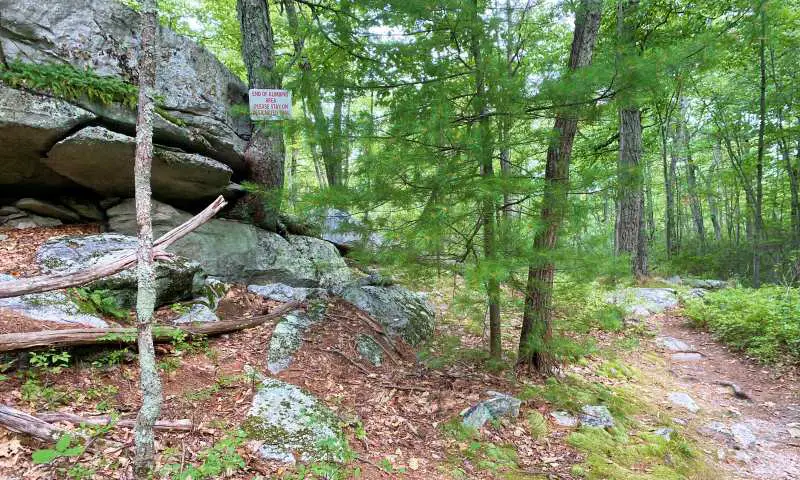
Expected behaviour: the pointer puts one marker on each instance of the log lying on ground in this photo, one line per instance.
(75, 337)
(21, 422)
(184, 425)
(44, 283)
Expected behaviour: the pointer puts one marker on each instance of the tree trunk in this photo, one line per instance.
(538, 314)
(630, 199)
(669, 178)
(264, 155)
(711, 191)
(149, 381)
(691, 173)
(762, 115)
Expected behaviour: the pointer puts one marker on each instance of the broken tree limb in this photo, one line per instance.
(21, 422)
(74, 337)
(184, 425)
(44, 283)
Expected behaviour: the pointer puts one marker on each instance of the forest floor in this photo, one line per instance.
(402, 418)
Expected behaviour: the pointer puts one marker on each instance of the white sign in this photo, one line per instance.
(270, 104)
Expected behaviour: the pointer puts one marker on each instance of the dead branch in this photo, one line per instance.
(21, 422)
(184, 425)
(44, 283)
(96, 336)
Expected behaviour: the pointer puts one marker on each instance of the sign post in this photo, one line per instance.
(270, 104)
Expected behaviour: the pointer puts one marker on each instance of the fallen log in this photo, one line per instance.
(21, 422)
(75, 337)
(184, 425)
(44, 283)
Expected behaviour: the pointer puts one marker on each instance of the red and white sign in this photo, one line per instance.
(270, 104)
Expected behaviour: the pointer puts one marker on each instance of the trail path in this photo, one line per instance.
(757, 437)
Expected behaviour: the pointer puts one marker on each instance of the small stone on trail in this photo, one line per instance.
(596, 416)
(369, 349)
(742, 436)
(499, 405)
(285, 293)
(686, 357)
(564, 419)
(664, 432)
(199, 313)
(684, 400)
(673, 344)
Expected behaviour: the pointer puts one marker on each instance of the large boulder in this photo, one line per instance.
(102, 160)
(644, 301)
(29, 125)
(235, 251)
(176, 279)
(194, 87)
(287, 336)
(400, 311)
(345, 231)
(56, 307)
(288, 424)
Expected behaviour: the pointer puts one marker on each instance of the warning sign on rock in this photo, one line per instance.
(270, 104)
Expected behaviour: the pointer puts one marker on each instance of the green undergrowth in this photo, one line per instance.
(764, 323)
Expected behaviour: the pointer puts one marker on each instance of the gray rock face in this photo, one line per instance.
(175, 279)
(664, 432)
(287, 336)
(686, 357)
(199, 313)
(401, 311)
(284, 293)
(344, 230)
(369, 349)
(673, 344)
(47, 209)
(596, 416)
(288, 424)
(29, 125)
(499, 405)
(212, 291)
(23, 221)
(706, 284)
(102, 161)
(743, 437)
(683, 400)
(641, 300)
(234, 251)
(86, 209)
(195, 86)
(50, 306)
(564, 419)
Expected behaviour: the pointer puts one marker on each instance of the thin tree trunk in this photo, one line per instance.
(691, 173)
(484, 153)
(711, 191)
(264, 155)
(538, 314)
(669, 177)
(762, 115)
(149, 381)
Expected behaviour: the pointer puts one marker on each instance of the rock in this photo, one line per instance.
(285, 421)
(686, 357)
(197, 92)
(175, 279)
(743, 437)
(234, 251)
(673, 344)
(684, 400)
(696, 293)
(499, 405)
(564, 419)
(346, 231)
(664, 432)
(199, 313)
(641, 300)
(716, 429)
(9, 210)
(85, 208)
(212, 291)
(400, 311)
(102, 161)
(284, 293)
(596, 416)
(29, 125)
(47, 209)
(675, 280)
(707, 284)
(369, 349)
(3, 237)
(32, 221)
(287, 336)
(50, 306)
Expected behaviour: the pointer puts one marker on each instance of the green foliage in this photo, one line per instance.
(64, 448)
(102, 302)
(110, 358)
(50, 361)
(468, 447)
(573, 392)
(764, 323)
(219, 460)
(537, 425)
(65, 81)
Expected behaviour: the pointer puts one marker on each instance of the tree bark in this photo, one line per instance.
(264, 155)
(762, 120)
(711, 191)
(538, 314)
(691, 172)
(630, 198)
(669, 179)
(149, 382)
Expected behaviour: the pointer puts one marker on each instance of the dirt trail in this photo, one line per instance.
(707, 371)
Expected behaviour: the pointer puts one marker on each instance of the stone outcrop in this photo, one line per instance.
(235, 251)
(194, 87)
(55, 307)
(102, 161)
